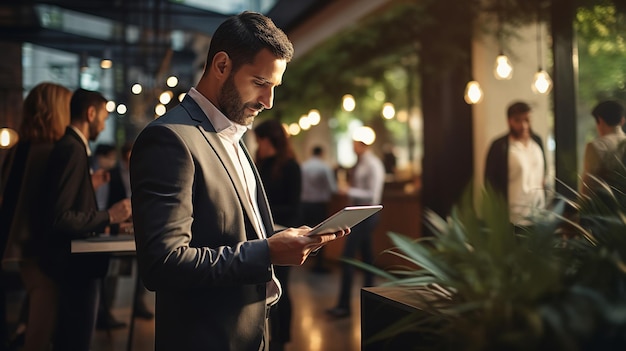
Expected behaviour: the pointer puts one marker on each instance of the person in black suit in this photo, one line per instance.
(203, 227)
(72, 213)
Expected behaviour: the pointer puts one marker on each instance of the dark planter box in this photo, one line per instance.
(381, 307)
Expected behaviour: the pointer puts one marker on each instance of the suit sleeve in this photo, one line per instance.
(163, 181)
(69, 175)
(489, 167)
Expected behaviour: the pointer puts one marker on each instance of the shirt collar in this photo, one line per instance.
(223, 126)
(617, 130)
(82, 137)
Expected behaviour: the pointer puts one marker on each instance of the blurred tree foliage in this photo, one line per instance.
(601, 34)
(381, 53)
(601, 39)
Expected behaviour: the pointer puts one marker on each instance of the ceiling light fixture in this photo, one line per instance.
(542, 83)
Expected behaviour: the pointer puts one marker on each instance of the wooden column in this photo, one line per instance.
(445, 66)
(564, 94)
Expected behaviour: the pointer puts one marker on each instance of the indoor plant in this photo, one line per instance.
(557, 285)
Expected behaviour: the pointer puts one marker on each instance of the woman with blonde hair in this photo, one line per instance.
(45, 116)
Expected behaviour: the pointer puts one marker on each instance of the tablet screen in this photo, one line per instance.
(347, 217)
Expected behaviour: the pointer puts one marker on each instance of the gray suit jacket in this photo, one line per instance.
(196, 242)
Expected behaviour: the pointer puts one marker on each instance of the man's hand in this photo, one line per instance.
(291, 247)
(120, 211)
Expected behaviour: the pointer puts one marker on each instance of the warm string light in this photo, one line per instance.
(388, 111)
(136, 89)
(364, 134)
(473, 92)
(8, 138)
(348, 103)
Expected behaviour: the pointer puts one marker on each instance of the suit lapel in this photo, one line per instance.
(80, 144)
(214, 141)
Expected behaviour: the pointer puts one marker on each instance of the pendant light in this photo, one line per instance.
(473, 92)
(542, 83)
(502, 69)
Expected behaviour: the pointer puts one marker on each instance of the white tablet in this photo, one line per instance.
(348, 217)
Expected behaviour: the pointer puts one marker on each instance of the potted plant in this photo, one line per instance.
(479, 285)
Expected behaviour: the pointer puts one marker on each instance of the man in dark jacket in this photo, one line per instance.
(72, 213)
(515, 167)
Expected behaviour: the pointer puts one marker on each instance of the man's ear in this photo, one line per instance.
(91, 113)
(221, 64)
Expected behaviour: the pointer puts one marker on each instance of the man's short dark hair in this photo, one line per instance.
(244, 35)
(609, 111)
(516, 108)
(81, 101)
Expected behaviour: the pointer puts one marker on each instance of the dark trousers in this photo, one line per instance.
(280, 316)
(359, 239)
(78, 306)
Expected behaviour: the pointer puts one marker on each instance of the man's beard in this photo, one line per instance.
(231, 105)
(93, 130)
(520, 134)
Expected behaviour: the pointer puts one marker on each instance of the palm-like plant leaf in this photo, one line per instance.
(502, 289)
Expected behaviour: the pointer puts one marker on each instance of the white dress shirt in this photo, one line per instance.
(318, 181)
(526, 180)
(368, 180)
(601, 155)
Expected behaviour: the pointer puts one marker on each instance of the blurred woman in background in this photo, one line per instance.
(45, 115)
(282, 179)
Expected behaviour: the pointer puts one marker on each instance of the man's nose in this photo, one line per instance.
(267, 99)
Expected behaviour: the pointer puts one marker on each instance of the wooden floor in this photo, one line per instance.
(312, 329)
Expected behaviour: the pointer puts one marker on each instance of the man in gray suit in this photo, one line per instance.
(204, 232)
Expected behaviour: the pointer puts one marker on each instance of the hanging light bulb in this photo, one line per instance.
(84, 62)
(503, 70)
(542, 83)
(473, 92)
(106, 62)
